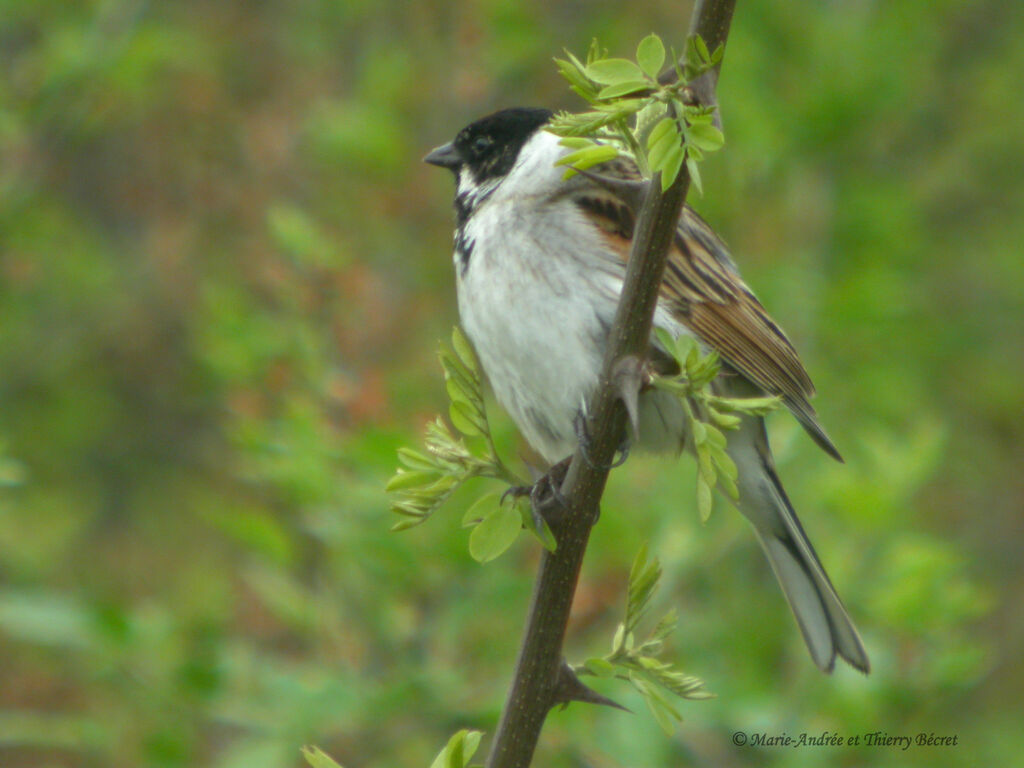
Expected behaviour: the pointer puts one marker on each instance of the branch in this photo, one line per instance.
(711, 21)
(535, 686)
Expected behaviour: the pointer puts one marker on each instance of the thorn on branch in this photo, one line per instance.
(628, 378)
(569, 688)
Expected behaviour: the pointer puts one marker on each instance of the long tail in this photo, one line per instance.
(824, 622)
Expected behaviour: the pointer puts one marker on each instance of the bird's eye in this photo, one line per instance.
(482, 143)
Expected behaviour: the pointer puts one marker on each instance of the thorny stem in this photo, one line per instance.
(535, 684)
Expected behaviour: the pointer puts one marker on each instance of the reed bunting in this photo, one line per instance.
(539, 264)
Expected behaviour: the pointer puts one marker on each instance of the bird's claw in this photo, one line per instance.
(583, 437)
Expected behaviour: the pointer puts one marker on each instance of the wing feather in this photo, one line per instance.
(705, 292)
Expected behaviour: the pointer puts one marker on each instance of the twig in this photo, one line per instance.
(536, 684)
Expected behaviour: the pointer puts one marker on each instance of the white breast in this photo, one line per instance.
(536, 298)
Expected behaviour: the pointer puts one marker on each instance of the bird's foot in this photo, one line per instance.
(583, 436)
(547, 504)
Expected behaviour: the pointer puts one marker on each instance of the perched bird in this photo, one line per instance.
(539, 264)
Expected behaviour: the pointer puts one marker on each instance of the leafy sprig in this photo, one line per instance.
(633, 113)
(637, 661)
(707, 414)
(427, 479)
(456, 753)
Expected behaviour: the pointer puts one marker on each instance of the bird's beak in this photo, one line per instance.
(446, 156)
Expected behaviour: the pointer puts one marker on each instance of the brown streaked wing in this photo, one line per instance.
(707, 295)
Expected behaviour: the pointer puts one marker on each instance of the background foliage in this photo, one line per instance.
(223, 274)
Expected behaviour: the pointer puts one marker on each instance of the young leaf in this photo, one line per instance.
(576, 142)
(458, 751)
(415, 460)
(403, 525)
(664, 713)
(650, 55)
(317, 758)
(691, 166)
(618, 639)
(403, 480)
(495, 533)
(573, 72)
(702, 49)
(724, 420)
(623, 88)
(464, 349)
(666, 145)
(643, 580)
(612, 71)
(670, 168)
(480, 508)
(599, 667)
(464, 418)
(543, 532)
(589, 156)
(703, 498)
(664, 127)
(705, 136)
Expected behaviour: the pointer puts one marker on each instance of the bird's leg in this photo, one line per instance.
(580, 425)
(546, 500)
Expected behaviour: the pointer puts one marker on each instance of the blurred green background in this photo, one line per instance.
(223, 275)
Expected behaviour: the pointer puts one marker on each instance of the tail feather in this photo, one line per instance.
(823, 621)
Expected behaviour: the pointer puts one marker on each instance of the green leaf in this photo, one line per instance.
(700, 433)
(495, 533)
(576, 142)
(702, 49)
(755, 406)
(612, 71)
(623, 88)
(691, 166)
(706, 137)
(403, 479)
(666, 626)
(463, 348)
(600, 667)
(415, 460)
(728, 484)
(403, 525)
(664, 713)
(458, 392)
(623, 108)
(317, 758)
(472, 742)
(703, 499)
(663, 128)
(666, 339)
(618, 639)
(459, 750)
(544, 534)
(577, 79)
(670, 168)
(704, 463)
(643, 581)
(667, 140)
(650, 55)
(715, 438)
(464, 419)
(724, 420)
(480, 508)
(589, 156)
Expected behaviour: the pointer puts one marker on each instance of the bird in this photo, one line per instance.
(539, 266)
